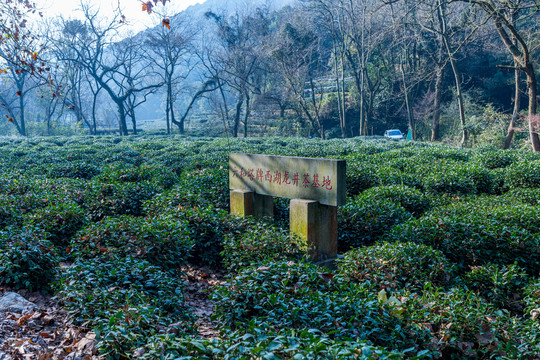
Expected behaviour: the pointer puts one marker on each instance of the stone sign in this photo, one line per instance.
(316, 187)
(322, 180)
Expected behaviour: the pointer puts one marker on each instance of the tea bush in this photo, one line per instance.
(160, 177)
(209, 231)
(259, 242)
(527, 196)
(61, 221)
(471, 234)
(9, 214)
(524, 174)
(462, 324)
(495, 159)
(532, 299)
(101, 200)
(360, 177)
(22, 204)
(411, 199)
(284, 344)
(363, 220)
(152, 203)
(208, 187)
(298, 296)
(450, 181)
(94, 289)
(75, 170)
(164, 241)
(27, 259)
(500, 285)
(397, 266)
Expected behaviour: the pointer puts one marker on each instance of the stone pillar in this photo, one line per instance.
(263, 206)
(241, 202)
(247, 203)
(317, 225)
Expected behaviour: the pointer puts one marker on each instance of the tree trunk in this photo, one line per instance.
(122, 119)
(246, 116)
(533, 120)
(316, 109)
(133, 121)
(338, 89)
(435, 129)
(22, 125)
(170, 104)
(94, 103)
(407, 104)
(457, 77)
(167, 114)
(237, 115)
(204, 89)
(515, 113)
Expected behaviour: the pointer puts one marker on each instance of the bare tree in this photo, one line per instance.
(170, 47)
(240, 42)
(302, 60)
(20, 55)
(503, 15)
(117, 67)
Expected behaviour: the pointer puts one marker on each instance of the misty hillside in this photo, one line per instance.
(229, 6)
(194, 15)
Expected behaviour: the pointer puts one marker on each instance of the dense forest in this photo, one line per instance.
(461, 72)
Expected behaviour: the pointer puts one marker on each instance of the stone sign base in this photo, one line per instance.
(317, 225)
(247, 203)
(313, 222)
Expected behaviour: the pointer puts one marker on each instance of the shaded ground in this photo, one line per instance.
(48, 334)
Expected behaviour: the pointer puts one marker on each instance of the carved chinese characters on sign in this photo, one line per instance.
(292, 177)
(264, 175)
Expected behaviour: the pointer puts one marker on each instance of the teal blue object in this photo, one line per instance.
(409, 135)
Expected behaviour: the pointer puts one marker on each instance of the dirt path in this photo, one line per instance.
(48, 334)
(200, 282)
(44, 333)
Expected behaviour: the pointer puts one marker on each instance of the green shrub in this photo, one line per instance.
(360, 176)
(532, 299)
(411, 199)
(261, 344)
(95, 289)
(126, 330)
(9, 214)
(500, 285)
(204, 188)
(449, 181)
(101, 200)
(461, 324)
(527, 196)
(75, 170)
(15, 205)
(60, 220)
(397, 266)
(27, 259)
(209, 231)
(164, 241)
(365, 219)
(473, 233)
(524, 174)
(495, 159)
(260, 242)
(298, 296)
(160, 176)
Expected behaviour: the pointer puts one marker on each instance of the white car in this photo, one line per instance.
(394, 134)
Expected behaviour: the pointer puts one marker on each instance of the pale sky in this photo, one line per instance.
(132, 9)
